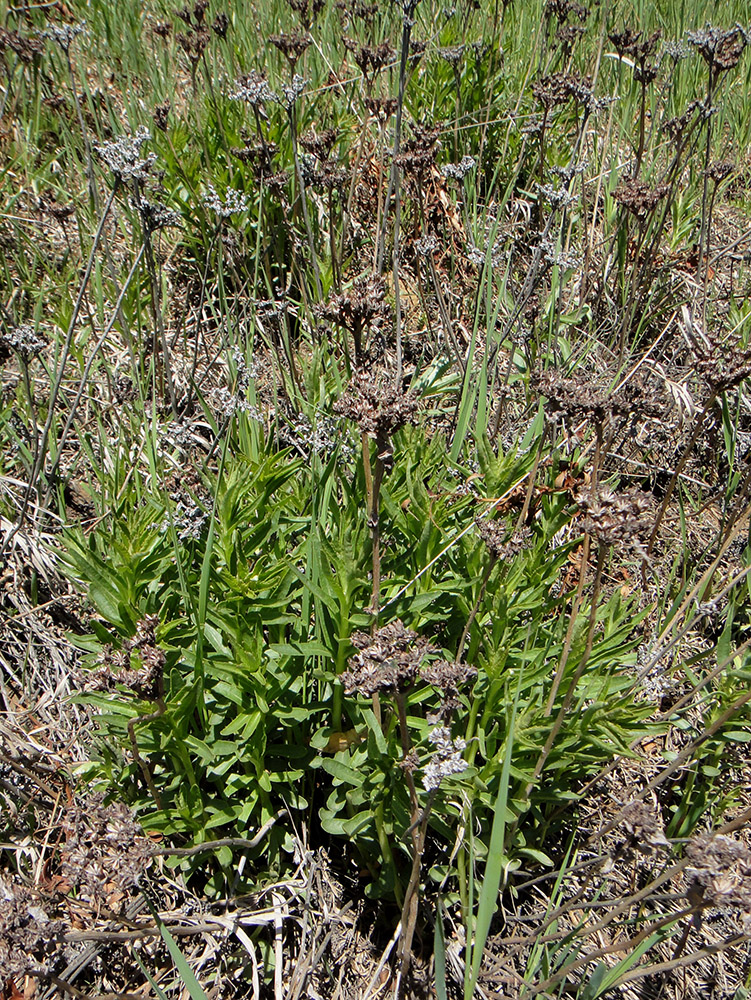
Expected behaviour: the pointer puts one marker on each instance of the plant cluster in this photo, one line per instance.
(377, 375)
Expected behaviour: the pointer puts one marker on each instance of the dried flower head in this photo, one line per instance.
(387, 661)
(558, 88)
(28, 937)
(156, 215)
(620, 519)
(123, 156)
(419, 153)
(643, 829)
(161, 115)
(359, 309)
(719, 170)
(105, 854)
(307, 10)
(253, 88)
(194, 43)
(291, 92)
(638, 198)
(221, 24)
(291, 45)
(452, 54)
(25, 47)
(721, 50)
(378, 409)
(64, 34)
(447, 676)
(719, 874)
(381, 108)
(146, 680)
(502, 544)
(370, 58)
(565, 9)
(234, 201)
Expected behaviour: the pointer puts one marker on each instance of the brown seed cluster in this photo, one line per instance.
(105, 854)
(719, 875)
(724, 366)
(419, 153)
(23, 46)
(638, 198)
(307, 10)
(501, 544)
(388, 661)
(291, 44)
(620, 519)
(566, 10)
(381, 108)
(721, 50)
(360, 309)
(719, 170)
(195, 41)
(379, 410)
(28, 937)
(147, 680)
(642, 830)
(370, 58)
(578, 398)
(559, 88)
(447, 676)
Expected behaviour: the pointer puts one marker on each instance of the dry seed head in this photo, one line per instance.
(28, 937)
(502, 544)
(25, 341)
(447, 676)
(620, 519)
(377, 408)
(558, 88)
(565, 9)
(123, 156)
(643, 827)
(458, 171)
(23, 46)
(252, 88)
(220, 26)
(387, 661)
(719, 874)
(638, 198)
(381, 108)
(161, 115)
(105, 854)
(292, 45)
(721, 50)
(719, 170)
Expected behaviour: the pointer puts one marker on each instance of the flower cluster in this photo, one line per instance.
(123, 156)
(446, 760)
(379, 410)
(617, 518)
(719, 875)
(28, 937)
(145, 681)
(234, 201)
(458, 171)
(253, 88)
(64, 34)
(388, 661)
(105, 854)
(25, 341)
